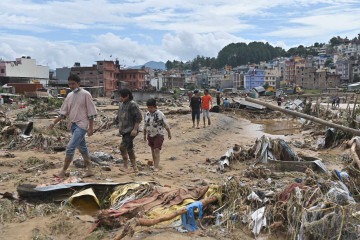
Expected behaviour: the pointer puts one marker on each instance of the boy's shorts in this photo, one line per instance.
(156, 142)
(206, 113)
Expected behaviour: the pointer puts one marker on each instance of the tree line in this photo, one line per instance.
(236, 54)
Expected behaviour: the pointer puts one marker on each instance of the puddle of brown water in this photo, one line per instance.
(278, 127)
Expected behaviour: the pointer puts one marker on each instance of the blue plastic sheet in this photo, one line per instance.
(188, 219)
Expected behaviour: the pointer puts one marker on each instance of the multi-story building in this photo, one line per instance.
(103, 74)
(190, 79)
(23, 70)
(226, 81)
(135, 78)
(157, 80)
(214, 80)
(172, 80)
(202, 80)
(343, 69)
(254, 78)
(108, 74)
(311, 78)
(61, 76)
(305, 77)
(238, 80)
(271, 75)
(290, 68)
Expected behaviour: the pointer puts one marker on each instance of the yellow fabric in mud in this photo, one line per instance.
(85, 201)
(123, 189)
(214, 190)
(161, 211)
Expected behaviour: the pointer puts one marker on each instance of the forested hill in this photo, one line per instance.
(236, 54)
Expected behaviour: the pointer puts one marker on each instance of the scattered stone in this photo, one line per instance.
(119, 161)
(105, 168)
(6, 155)
(79, 163)
(204, 182)
(172, 158)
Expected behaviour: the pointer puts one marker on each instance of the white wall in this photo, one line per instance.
(157, 82)
(26, 68)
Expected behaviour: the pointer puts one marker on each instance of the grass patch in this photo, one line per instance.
(5, 176)
(313, 91)
(34, 161)
(97, 235)
(37, 235)
(62, 225)
(12, 211)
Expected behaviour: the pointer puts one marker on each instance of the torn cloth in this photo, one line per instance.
(161, 197)
(188, 219)
(286, 194)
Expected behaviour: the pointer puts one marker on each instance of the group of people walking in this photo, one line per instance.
(203, 105)
(200, 105)
(80, 111)
(335, 102)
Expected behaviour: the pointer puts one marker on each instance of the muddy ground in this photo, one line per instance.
(183, 163)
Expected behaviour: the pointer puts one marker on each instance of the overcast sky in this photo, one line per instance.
(59, 33)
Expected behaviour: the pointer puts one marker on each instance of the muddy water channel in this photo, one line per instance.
(278, 126)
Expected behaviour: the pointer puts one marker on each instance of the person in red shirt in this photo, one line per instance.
(205, 108)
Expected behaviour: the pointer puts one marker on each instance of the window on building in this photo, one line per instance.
(2, 70)
(91, 73)
(100, 64)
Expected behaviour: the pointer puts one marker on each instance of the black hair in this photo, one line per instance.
(74, 77)
(206, 90)
(151, 102)
(124, 92)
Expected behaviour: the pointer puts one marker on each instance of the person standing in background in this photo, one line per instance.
(205, 108)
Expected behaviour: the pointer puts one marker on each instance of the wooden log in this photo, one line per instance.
(129, 227)
(151, 222)
(355, 156)
(305, 116)
(354, 109)
(354, 145)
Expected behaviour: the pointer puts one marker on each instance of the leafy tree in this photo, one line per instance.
(168, 65)
(190, 87)
(266, 85)
(334, 41)
(328, 62)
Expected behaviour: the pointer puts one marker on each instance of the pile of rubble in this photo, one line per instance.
(313, 204)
